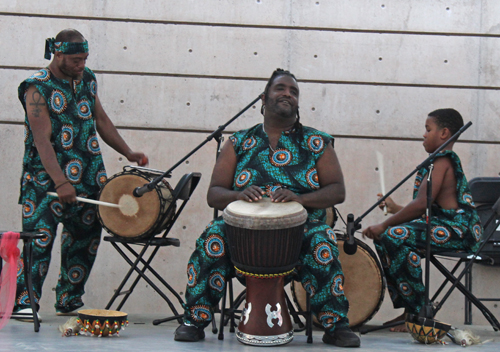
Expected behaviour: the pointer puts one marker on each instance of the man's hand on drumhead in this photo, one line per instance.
(251, 194)
(284, 195)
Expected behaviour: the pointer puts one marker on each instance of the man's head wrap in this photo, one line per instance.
(68, 48)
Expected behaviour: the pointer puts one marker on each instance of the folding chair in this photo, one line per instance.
(485, 190)
(28, 238)
(138, 261)
(480, 195)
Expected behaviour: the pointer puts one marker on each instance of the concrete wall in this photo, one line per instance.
(170, 72)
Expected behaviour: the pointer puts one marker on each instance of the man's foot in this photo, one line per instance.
(25, 314)
(343, 337)
(398, 328)
(189, 333)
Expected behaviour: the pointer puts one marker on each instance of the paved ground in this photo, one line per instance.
(142, 335)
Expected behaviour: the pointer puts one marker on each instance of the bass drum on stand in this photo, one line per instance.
(364, 284)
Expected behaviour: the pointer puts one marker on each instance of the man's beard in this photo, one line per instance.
(275, 107)
(64, 69)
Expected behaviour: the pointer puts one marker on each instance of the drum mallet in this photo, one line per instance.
(86, 200)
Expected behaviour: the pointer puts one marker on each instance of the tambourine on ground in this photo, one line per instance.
(101, 322)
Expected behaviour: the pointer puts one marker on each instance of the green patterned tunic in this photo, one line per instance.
(75, 143)
(292, 165)
(401, 247)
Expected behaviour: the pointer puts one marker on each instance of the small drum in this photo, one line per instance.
(137, 217)
(364, 283)
(264, 240)
(426, 331)
(101, 322)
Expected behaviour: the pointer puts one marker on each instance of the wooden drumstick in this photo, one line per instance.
(380, 161)
(86, 200)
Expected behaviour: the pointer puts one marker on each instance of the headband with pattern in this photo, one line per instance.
(68, 48)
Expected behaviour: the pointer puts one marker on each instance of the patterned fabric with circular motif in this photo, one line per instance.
(414, 259)
(217, 282)
(58, 102)
(323, 253)
(337, 288)
(201, 313)
(84, 110)
(328, 319)
(440, 234)
(43, 75)
(280, 157)
(214, 246)
(192, 275)
(399, 232)
(67, 136)
(316, 143)
(74, 171)
(76, 274)
(405, 289)
(249, 143)
(313, 179)
(243, 178)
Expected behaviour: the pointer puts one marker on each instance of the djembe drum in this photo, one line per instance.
(264, 240)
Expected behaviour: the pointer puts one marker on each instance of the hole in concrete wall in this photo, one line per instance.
(253, 107)
(183, 227)
(190, 50)
(376, 169)
(188, 103)
(377, 111)
(315, 56)
(447, 9)
(121, 101)
(379, 59)
(124, 48)
(317, 2)
(382, 6)
(255, 53)
(187, 162)
(313, 108)
(445, 61)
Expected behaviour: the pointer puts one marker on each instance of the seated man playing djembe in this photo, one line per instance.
(287, 162)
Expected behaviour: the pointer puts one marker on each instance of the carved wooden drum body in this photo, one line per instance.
(264, 240)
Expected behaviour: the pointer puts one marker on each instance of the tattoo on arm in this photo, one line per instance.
(38, 101)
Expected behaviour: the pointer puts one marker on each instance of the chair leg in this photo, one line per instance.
(486, 312)
(28, 258)
(223, 312)
(468, 303)
(309, 317)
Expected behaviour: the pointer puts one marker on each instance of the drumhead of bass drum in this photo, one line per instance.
(364, 284)
(136, 215)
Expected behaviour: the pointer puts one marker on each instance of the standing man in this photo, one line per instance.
(62, 153)
(287, 162)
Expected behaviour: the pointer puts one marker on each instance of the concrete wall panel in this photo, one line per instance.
(429, 16)
(312, 55)
(339, 109)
